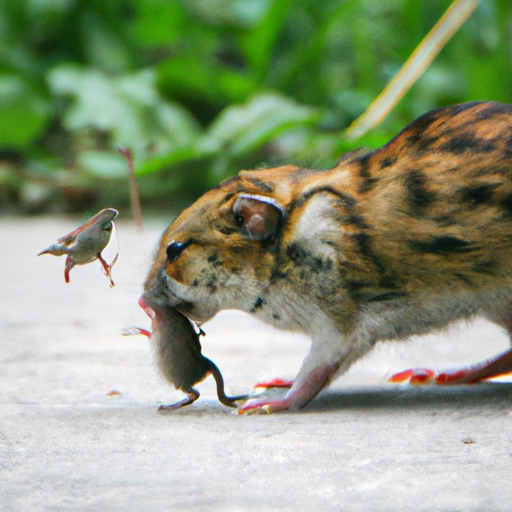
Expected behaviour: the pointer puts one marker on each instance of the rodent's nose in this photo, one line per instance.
(175, 248)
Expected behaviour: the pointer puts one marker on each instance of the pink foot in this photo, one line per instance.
(67, 268)
(414, 376)
(495, 367)
(295, 399)
(268, 406)
(274, 383)
(107, 268)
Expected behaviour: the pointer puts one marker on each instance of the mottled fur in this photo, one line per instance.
(390, 243)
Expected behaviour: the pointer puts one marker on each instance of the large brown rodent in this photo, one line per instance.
(388, 244)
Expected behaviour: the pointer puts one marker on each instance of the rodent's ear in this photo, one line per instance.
(259, 216)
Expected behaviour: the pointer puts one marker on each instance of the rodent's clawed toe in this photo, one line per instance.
(264, 406)
(495, 367)
(414, 376)
(191, 397)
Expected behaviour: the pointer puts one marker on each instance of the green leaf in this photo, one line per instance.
(196, 77)
(24, 111)
(129, 107)
(160, 162)
(251, 12)
(104, 164)
(242, 128)
(103, 45)
(158, 22)
(95, 102)
(260, 41)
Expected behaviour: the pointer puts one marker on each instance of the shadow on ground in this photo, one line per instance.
(485, 395)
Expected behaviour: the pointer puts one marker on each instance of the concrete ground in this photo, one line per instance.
(79, 427)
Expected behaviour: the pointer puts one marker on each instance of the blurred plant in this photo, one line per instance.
(198, 89)
(413, 68)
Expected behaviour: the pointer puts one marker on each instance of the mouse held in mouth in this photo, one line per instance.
(178, 353)
(391, 243)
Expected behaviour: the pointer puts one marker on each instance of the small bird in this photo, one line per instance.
(88, 242)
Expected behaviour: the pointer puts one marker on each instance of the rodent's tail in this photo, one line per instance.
(230, 401)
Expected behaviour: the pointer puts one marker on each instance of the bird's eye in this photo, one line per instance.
(239, 220)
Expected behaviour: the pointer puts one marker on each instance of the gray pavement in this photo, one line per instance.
(68, 443)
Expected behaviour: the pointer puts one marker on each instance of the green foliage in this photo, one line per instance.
(129, 108)
(201, 88)
(24, 111)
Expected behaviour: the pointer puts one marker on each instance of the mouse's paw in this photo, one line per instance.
(263, 406)
(274, 383)
(415, 376)
(191, 397)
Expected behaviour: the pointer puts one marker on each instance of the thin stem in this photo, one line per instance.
(134, 190)
(416, 64)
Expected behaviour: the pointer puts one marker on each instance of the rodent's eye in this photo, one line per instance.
(255, 218)
(239, 220)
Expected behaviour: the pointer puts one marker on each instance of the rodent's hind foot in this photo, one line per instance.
(494, 367)
(414, 376)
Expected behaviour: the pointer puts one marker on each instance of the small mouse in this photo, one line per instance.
(178, 353)
(86, 243)
(390, 243)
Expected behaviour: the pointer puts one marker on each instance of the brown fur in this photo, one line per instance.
(389, 243)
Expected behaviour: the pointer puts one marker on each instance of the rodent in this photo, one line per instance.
(395, 242)
(178, 353)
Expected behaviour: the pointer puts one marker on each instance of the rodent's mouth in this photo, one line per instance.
(189, 309)
(164, 292)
